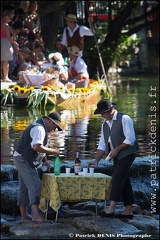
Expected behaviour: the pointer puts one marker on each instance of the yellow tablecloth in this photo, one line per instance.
(58, 189)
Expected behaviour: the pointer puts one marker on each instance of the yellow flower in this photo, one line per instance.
(71, 90)
(30, 88)
(86, 90)
(45, 88)
(61, 88)
(23, 91)
(82, 90)
(17, 88)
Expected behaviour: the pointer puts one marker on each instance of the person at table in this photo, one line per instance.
(77, 72)
(119, 140)
(73, 33)
(28, 154)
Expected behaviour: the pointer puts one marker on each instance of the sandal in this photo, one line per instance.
(7, 80)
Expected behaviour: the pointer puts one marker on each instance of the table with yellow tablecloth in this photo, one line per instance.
(73, 188)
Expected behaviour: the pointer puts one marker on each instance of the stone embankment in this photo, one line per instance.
(79, 220)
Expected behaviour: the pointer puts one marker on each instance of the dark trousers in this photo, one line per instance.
(121, 185)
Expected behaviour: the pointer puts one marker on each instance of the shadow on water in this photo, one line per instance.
(138, 97)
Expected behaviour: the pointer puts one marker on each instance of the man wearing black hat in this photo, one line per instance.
(30, 151)
(119, 141)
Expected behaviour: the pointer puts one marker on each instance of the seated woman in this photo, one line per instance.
(77, 72)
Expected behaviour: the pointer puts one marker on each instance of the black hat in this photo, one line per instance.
(104, 105)
(56, 118)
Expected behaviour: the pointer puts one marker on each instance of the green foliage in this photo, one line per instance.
(7, 96)
(37, 98)
(126, 46)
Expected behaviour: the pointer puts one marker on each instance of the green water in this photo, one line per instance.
(137, 96)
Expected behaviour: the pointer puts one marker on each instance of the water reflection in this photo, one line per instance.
(81, 126)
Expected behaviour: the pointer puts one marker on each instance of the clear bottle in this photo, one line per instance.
(77, 164)
(57, 166)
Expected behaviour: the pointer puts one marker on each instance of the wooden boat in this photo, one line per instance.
(49, 94)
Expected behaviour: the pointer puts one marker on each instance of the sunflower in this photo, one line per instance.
(82, 90)
(23, 91)
(86, 90)
(61, 88)
(17, 88)
(30, 89)
(71, 90)
(45, 88)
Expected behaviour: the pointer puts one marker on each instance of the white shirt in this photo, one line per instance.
(37, 134)
(80, 67)
(128, 130)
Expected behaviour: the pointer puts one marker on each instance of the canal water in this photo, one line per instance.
(136, 96)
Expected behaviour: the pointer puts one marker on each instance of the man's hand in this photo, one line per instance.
(92, 163)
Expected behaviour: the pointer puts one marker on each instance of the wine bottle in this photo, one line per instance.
(57, 166)
(77, 164)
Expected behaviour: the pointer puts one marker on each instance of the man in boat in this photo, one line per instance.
(74, 34)
(77, 72)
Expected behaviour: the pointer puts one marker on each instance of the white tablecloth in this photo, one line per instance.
(36, 79)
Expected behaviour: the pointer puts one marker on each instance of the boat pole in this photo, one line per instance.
(98, 51)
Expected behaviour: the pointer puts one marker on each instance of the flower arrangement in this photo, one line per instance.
(38, 96)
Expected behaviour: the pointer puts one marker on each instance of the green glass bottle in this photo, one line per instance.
(57, 166)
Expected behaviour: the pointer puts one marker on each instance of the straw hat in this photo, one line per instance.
(57, 56)
(71, 17)
(74, 50)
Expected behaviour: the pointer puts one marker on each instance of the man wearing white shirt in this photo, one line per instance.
(77, 71)
(118, 139)
(30, 151)
(74, 34)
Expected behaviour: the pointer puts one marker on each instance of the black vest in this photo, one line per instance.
(117, 137)
(24, 145)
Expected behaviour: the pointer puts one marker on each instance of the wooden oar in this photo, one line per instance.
(99, 54)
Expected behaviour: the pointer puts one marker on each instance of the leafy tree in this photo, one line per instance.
(114, 34)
